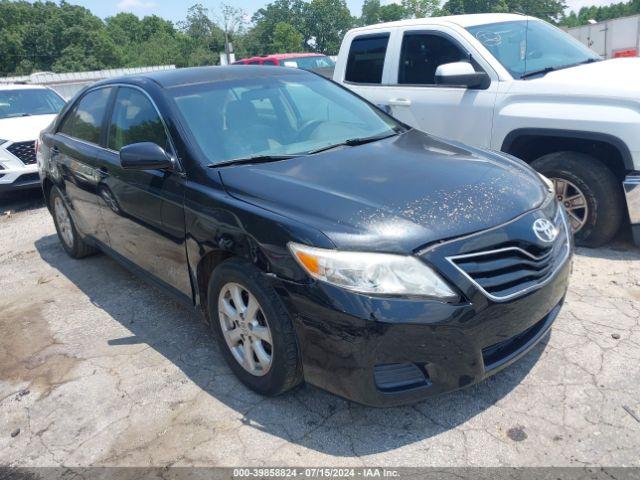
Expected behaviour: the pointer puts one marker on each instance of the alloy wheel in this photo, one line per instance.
(64, 222)
(574, 202)
(245, 329)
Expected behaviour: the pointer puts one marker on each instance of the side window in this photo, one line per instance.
(269, 62)
(422, 54)
(85, 121)
(366, 59)
(135, 120)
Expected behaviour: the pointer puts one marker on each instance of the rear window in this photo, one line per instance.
(85, 121)
(366, 59)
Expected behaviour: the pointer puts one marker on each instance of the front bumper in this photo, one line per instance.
(631, 186)
(391, 351)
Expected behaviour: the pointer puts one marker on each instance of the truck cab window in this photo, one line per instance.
(366, 59)
(422, 54)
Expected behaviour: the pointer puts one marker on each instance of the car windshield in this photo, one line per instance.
(310, 62)
(528, 46)
(26, 102)
(276, 115)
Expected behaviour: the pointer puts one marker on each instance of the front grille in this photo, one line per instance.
(514, 270)
(25, 151)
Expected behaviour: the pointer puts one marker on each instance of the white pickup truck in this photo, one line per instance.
(519, 85)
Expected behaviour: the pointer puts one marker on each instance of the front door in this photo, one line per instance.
(143, 209)
(456, 113)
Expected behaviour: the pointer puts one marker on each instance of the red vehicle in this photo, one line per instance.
(307, 61)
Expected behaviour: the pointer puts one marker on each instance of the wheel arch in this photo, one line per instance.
(529, 144)
(203, 271)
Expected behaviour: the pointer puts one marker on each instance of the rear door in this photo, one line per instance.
(74, 152)
(144, 209)
(365, 67)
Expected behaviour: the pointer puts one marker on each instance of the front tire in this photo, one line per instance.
(590, 193)
(253, 329)
(68, 235)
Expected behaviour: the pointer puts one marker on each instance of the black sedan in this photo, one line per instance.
(323, 240)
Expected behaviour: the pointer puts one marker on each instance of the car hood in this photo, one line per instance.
(618, 77)
(394, 195)
(22, 129)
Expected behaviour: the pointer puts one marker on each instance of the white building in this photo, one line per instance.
(612, 38)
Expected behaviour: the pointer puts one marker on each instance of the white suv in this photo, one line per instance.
(516, 84)
(25, 110)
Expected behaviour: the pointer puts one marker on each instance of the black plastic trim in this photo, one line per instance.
(627, 159)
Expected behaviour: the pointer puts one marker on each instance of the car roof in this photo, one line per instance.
(463, 21)
(21, 86)
(200, 75)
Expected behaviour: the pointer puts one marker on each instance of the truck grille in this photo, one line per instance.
(25, 151)
(511, 271)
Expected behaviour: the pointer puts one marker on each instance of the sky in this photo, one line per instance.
(176, 10)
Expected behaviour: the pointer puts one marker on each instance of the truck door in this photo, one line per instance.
(413, 97)
(364, 68)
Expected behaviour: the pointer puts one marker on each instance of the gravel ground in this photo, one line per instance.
(99, 368)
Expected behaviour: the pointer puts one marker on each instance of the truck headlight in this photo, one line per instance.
(372, 273)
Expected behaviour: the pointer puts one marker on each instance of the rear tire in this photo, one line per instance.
(598, 185)
(284, 371)
(68, 235)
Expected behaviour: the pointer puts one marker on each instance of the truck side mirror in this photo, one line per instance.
(461, 74)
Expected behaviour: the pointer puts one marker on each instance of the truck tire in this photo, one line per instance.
(589, 191)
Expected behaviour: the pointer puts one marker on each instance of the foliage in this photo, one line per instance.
(47, 36)
(607, 12)
(286, 39)
(326, 22)
(420, 8)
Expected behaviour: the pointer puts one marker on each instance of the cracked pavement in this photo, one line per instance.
(97, 367)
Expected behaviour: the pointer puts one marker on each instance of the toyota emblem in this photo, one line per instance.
(545, 230)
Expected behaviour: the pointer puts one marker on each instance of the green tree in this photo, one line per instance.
(326, 23)
(286, 39)
(420, 8)
(259, 39)
(370, 12)
(392, 13)
(550, 10)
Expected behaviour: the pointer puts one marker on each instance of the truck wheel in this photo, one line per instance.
(68, 235)
(590, 193)
(253, 329)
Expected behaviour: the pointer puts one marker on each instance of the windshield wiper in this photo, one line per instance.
(546, 70)
(254, 159)
(353, 142)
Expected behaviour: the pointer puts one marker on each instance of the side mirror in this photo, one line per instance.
(461, 74)
(145, 156)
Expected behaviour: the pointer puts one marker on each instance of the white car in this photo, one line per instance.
(519, 85)
(25, 110)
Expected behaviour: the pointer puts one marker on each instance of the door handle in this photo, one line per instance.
(400, 102)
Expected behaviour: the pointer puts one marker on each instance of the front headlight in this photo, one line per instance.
(372, 273)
